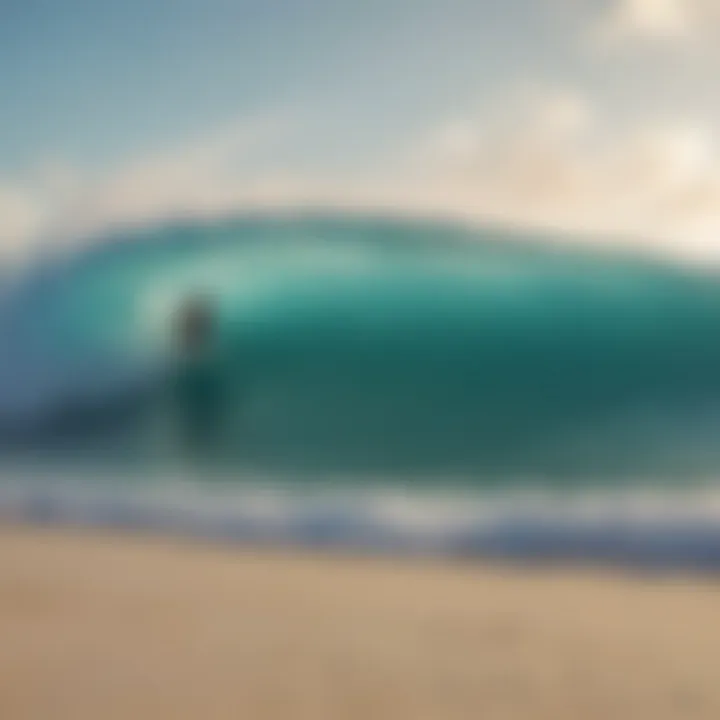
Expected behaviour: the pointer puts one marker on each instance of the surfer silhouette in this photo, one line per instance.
(197, 387)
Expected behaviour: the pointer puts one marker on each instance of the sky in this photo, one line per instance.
(598, 118)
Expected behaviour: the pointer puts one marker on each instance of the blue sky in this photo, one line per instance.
(97, 80)
(459, 102)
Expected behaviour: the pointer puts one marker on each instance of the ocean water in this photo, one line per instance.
(384, 382)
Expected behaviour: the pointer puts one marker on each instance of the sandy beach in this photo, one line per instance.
(98, 626)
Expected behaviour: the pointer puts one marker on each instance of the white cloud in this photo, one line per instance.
(453, 144)
(544, 157)
(650, 19)
(210, 175)
(21, 218)
(205, 176)
(675, 22)
(652, 184)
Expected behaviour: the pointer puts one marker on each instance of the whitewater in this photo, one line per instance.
(387, 383)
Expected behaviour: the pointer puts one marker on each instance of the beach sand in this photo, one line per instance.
(95, 626)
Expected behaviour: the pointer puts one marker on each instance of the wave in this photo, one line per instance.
(365, 344)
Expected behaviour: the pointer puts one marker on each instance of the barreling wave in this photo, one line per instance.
(355, 344)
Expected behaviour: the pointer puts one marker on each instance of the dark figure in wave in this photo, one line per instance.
(197, 386)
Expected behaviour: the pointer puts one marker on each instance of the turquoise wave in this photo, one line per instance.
(355, 344)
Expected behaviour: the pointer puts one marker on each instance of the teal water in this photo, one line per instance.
(367, 346)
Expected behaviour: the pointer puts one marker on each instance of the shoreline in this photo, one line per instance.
(116, 625)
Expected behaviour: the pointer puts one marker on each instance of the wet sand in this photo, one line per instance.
(97, 626)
